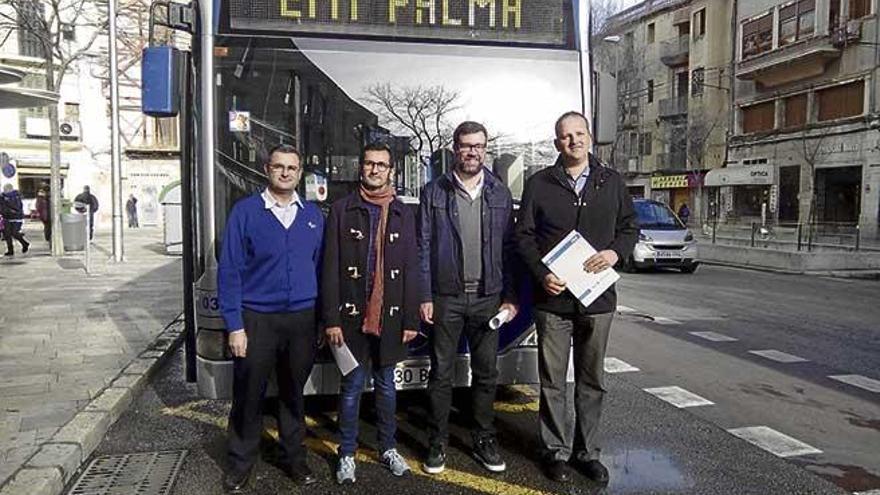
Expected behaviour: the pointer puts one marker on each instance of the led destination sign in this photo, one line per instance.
(498, 21)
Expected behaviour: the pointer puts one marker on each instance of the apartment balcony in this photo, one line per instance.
(675, 52)
(790, 63)
(676, 160)
(673, 107)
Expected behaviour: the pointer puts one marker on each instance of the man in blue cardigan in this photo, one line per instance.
(267, 291)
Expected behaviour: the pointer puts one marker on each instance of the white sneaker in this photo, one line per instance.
(395, 462)
(345, 470)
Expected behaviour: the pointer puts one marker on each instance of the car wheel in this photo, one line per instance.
(690, 268)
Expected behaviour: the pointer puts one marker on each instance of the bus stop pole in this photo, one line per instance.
(206, 134)
(115, 155)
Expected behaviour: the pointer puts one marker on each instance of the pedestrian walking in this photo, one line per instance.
(12, 210)
(87, 199)
(465, 256)
(576, 193)
(684, 213)
(267, 288)
(44, 212)
(370, 301)
(132, 211)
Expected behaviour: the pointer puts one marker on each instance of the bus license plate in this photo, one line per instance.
(411, 376)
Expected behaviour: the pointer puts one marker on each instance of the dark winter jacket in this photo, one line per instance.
(440, 245)
(87, 199)
(11, 206)
(344, 276)
(551, 209)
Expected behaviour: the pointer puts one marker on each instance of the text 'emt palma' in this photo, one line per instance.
(422, 11)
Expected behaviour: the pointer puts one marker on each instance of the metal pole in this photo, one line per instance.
(753, 234)
(187, 211)
(206, 164)
(115, 156)
(88, 245)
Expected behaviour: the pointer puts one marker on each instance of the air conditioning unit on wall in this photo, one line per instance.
(36, 127)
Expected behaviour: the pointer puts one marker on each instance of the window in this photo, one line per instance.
(684, 29)
(633, 143)
(650, 36)
(845, 100)
(699, 23)
(31, 29)
(650, 90)
(757, 36)
(760, 117)
(859, 8)
(796, 21)
(645, 144)
(834, 15)
(795, 114)
(71, 112)
(697, 78)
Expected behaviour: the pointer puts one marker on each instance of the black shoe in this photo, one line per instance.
(8, 253)
(435, 463)
(593, 469)
(237, 481)
(486, 452)
(25, 247)
(301, 474)
(557, 470)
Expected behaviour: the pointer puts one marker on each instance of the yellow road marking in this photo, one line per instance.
(327, 447)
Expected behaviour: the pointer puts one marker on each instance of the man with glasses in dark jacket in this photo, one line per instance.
(577, 193)
(465, 255)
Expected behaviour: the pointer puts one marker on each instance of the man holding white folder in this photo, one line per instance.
(370, 304)
(575, 194)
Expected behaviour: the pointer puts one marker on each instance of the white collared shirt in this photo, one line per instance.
(285, 214)
(472, 193)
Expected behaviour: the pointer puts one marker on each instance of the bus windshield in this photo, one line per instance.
(331, 96)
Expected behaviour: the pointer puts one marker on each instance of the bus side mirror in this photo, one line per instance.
(605, 108)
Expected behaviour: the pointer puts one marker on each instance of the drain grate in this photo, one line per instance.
(145, 473)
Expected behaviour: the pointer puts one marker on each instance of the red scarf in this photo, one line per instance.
(373, 318)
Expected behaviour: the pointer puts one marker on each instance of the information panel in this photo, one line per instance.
(477, 21)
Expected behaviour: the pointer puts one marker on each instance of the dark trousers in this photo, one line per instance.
(469, 313)
(566, 429)
(47, 231)
(11, 231)
(286, 343)
(350, 402)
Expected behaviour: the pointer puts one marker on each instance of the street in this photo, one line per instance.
(761, 347)
(658, 439)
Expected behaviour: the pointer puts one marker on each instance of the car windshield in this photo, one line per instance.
(656, 216)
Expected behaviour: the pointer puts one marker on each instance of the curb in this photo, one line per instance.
(844, 274)
(49, 470)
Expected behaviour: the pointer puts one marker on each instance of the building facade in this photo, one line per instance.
(149, 146)
(805, 147)
(671, 59)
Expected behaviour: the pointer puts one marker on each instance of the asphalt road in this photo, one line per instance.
(760, 350)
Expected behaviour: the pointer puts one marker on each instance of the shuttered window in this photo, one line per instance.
(758, 117)
(845, 100)
(795, 111)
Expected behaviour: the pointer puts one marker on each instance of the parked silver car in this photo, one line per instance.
(664, 241)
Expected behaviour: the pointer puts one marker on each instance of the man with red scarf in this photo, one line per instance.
(370, 300)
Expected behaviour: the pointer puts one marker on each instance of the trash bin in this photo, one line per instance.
(73, 231)
(171, 211)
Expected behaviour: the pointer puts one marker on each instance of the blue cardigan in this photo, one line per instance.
(265, 267)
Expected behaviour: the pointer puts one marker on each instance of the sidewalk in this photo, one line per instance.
(65, 336)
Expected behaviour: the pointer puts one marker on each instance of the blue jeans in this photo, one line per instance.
(349, 407)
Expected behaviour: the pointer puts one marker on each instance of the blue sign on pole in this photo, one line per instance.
(9, 170)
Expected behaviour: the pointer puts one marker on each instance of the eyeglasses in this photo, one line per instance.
(278, 168)
(380, 166)
(471, 147)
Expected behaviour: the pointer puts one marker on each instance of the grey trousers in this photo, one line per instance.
(568, 428)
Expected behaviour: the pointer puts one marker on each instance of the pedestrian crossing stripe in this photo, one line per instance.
(773, 441)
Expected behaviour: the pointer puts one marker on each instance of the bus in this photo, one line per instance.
(329, 76)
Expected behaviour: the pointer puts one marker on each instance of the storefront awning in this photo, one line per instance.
(751, 175)
(14, 97)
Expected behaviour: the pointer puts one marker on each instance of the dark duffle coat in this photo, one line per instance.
(344, 278)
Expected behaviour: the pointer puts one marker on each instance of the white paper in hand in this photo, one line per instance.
(499, 319)
(344, 358)
(566, 261)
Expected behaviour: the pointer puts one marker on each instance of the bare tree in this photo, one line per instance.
(51, 25)
(602, 11)
(418, 111)
(808, 147)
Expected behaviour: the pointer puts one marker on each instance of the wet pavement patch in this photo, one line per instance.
(144, 473)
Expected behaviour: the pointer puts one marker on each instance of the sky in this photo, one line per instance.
(518, 92)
